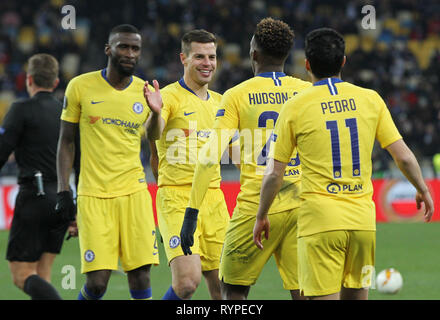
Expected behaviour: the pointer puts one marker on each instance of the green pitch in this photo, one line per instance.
(410, 248)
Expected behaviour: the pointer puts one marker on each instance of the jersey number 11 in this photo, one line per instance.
(351, 124)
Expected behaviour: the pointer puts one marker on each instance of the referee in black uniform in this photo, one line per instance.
(31, 129)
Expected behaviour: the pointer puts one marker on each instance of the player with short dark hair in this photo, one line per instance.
(31, 129)
(185, 123)
(252, 107)
(199, 36)
(115, 216)
(325, 51)
(333, 125)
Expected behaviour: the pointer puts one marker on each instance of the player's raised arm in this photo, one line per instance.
(407, 163)
(155, 123)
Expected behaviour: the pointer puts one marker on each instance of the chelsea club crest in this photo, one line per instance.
(89, 256)
(174, 242)
(138, 107)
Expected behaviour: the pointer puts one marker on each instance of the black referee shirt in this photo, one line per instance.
(31, 129)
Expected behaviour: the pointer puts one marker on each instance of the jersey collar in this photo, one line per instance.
(104, 75)
(327, 81)
(183, 84)
(330, 82)
(272, 75)
(275, 76)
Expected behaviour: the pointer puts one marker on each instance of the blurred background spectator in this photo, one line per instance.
(400, 58)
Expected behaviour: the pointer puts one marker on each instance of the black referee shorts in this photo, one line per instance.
(36, 228)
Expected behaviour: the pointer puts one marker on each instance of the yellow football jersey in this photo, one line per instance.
(110, 123)
(188, 124)
(253, 107)
(334, 125)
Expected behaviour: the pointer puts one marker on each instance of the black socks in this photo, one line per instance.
(40, 289)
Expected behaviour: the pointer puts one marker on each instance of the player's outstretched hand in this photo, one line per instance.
(65, 206)
(153, 98)
(261, 225)
(429, 204)
(189, 226)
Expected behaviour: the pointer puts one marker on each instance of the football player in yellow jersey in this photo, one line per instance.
(185, 123)
(115, 217)
(333, 125)
(252, 107)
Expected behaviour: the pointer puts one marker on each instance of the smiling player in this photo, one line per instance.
(253, 107)
(186, 119)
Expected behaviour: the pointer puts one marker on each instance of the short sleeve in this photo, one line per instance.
(283, 137)
(169, 103)
(72, 103)
(386, 132)
(227, 115)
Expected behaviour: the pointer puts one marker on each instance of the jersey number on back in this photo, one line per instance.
(262, 122)
(351, 124)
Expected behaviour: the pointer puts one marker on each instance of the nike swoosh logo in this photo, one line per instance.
(95, 102)
(188, 113)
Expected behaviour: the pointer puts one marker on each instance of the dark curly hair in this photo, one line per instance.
(274, 38)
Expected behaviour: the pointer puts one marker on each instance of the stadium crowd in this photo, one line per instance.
(400, 58)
